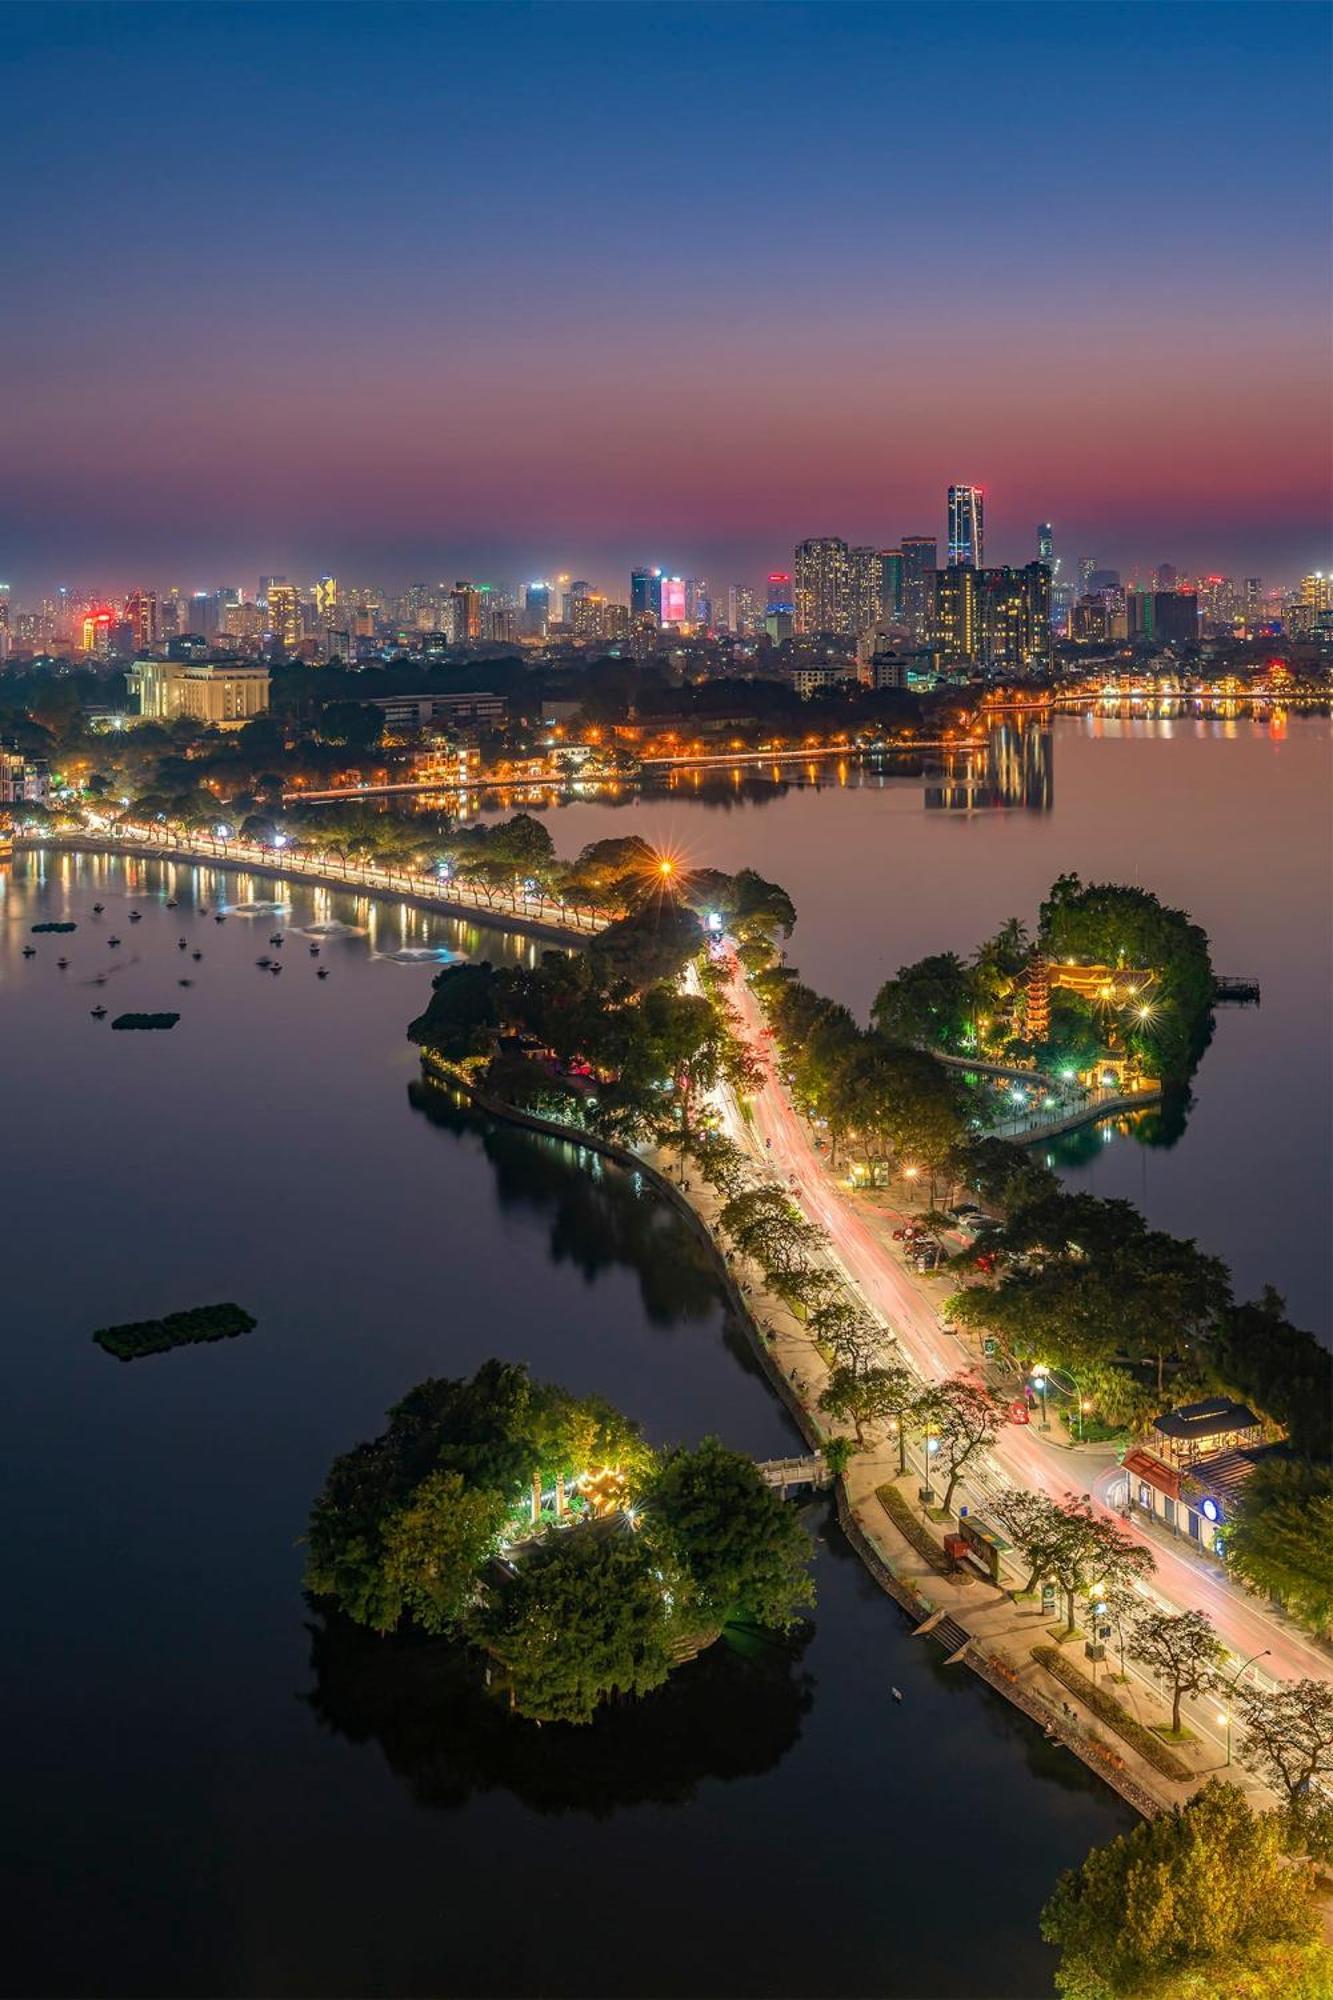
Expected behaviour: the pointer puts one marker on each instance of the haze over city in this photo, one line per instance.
(505, 291)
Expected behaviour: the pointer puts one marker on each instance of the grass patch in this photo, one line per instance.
(1103, 1704)
(1170, 1735)
(1063, 1636)
(900, 1513)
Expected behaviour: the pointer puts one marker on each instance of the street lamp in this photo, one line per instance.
(1039, 1384)
(1231, 1688)
(928, 1491)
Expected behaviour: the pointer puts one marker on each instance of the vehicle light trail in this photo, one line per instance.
(780, 1143)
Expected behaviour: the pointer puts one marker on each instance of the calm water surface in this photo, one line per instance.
(210, 1793)
(1232, 821)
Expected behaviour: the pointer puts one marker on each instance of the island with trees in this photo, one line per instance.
(540, 1529)
(179, 1329)
(1113, 983)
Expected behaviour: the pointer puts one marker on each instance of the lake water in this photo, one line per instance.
(207, 1791)
(1230, 820)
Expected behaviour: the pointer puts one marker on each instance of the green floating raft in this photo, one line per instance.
(182, 1329)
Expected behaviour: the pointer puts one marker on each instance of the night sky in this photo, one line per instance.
(410, 293)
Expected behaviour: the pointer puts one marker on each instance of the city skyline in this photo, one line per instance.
(758, 309)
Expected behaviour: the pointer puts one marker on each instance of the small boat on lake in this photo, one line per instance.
(135, 917)
(182, 944)
(321, 972)
(62, 963)
(196, 955)
(185, 982)
(263, 963)
(98, 909)
(171, 902)
(276, 939)
(219, 918)
(275, 967)
(30, 951)
(98, 1013)
(113, 941)
(314, 951)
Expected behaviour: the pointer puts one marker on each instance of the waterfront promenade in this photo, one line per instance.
(533, 915)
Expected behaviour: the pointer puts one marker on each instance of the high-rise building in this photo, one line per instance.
(994, 618)
(284, 614)
(1046, 545)
(1217, 604)
(1314, 601)
(141, 617)
(205, 613)
(671, 607)
(537, 610)
(1102, 579)
(955, 620)
(1092, 620)
(918, 605)
(824, 598)
(967, 539)
(1165, 576)
(98, 626)
(326, 600)
(740, 609)
(866, 579)
(1087, 566)
(891, 586)
(1254, 602)
(465, 613)
(1165, 617)
(645, 594)
(781, 599)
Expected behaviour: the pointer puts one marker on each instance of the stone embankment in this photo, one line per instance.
(987, 1628)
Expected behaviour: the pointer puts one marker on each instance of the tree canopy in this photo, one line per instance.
(1187, 1904)
(642, 1557)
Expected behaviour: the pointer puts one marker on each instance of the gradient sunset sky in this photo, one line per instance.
(409, 293)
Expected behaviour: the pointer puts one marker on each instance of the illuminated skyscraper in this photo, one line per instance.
(465, 610)
(918, 601)
(1046, 545)
(326, 599)
(1087, 566)
(740, 609)
(994, 618)
(141, 617)
(824, 597)
(966, 528)
(780, 598)
(284, 614)
(645, 594)
(866, 584)
(891, 585)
